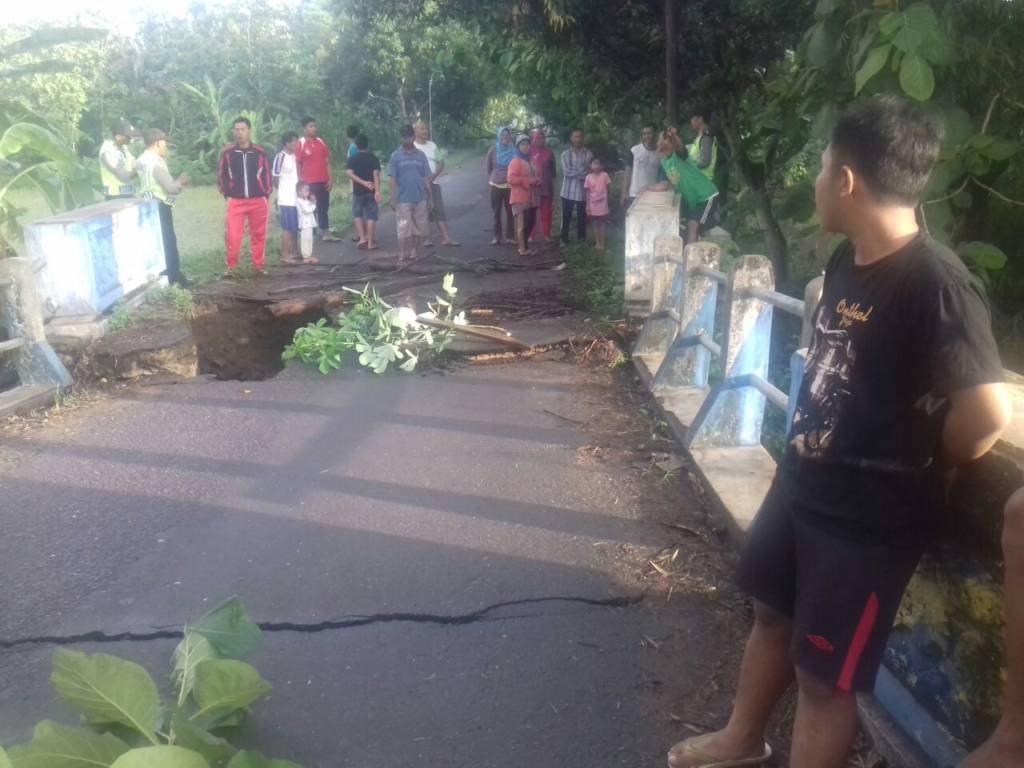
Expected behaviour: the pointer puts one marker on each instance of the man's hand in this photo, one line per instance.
(184, 179)
(376, 197)
(329, 185)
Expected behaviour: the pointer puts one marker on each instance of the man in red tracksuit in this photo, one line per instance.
(244, 180)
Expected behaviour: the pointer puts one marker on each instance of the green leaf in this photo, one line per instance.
(891, 23)
(230, 630)
(57, 746)
(819, 47)
(826, 8)
(825, 120)
(908, 39)
(224, 685)
(1001, 149)
(37, 140)
(921, 18)
(959, 127)
(916, 78)
(873, 64)
(106, 689)
(250, 759)
(983, 256)
(215, 750)
(161, 757)
(938, 49)
(193, 649)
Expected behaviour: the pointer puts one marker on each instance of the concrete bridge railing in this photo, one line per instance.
(712, 384)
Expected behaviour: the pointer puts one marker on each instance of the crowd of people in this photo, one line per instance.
(522, 174)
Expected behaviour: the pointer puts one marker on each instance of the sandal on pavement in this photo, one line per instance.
(496, 241)
(361, 244)
(311, 261)
(691, 749)
(452, 244)
(373, 247)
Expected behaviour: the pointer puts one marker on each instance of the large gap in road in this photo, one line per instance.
(239, 339)
(344, 622)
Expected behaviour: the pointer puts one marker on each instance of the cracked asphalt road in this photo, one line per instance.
(445, 576)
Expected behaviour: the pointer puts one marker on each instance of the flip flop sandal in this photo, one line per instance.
(355, 238)
(373, 247)
(452, 244)
(691, 748)
(311, 261)
(496, 242)
(361, 245)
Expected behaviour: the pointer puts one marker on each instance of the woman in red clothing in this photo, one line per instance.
(525, 196)
(544, 161)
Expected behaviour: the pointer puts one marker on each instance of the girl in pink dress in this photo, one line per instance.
(596, 186)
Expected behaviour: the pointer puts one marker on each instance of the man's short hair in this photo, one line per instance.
(576, 130)
(352, 131)
(288, 136)
(703, 111)
(892, 144)
(362, 142)
(407, 131)
(244, 120)
(306, 121)
(652, 126)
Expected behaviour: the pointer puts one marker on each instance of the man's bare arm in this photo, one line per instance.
(976, 419)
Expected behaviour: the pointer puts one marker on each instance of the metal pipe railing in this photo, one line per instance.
(778, 300)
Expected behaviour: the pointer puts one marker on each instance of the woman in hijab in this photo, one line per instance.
(525, 194)
(544, 163)
(498, 158)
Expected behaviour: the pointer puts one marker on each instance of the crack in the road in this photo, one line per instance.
(344, 622)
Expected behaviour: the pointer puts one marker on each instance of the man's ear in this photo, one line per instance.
(850, 182)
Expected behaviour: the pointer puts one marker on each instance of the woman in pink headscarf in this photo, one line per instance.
(544, 161)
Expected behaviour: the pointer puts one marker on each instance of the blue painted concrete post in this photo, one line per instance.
(687, 363)
(736, 415)
(21, 309)
(660, 330)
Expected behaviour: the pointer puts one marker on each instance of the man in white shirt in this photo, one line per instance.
(641, 167)
(286, 178)
(435, 159)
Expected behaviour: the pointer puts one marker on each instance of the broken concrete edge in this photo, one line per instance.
(898, 726)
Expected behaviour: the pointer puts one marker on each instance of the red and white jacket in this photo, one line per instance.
(244, 173)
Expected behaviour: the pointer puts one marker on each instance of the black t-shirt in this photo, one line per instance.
(891, 340)
(363, 164)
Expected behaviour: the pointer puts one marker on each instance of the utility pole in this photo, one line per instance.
(671, 61)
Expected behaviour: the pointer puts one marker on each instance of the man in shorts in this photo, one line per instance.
(698, 192)
(902, 382)
(286, 177)
(364, 171)
(409, 175)
(435, 159)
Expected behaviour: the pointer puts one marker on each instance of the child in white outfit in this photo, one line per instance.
(307, 222)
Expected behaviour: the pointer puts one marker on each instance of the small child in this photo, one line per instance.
(307, 222)
(596, 185)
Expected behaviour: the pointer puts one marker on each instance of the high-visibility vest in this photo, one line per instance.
(695, 154)
(149, 187)
(111, 184)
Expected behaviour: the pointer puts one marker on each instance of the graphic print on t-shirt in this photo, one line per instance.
(827, 375)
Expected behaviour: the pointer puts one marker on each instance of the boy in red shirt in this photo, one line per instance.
(314, 158)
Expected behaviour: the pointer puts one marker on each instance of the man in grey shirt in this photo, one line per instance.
(575, 167)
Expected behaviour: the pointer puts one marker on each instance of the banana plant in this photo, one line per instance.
(35, 155)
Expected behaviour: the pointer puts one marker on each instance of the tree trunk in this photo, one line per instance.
(671, 62)
(753, 179)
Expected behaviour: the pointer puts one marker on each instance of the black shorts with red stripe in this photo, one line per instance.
(842, 591)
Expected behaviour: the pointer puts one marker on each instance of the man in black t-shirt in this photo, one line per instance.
(364, 170)
(902, 383)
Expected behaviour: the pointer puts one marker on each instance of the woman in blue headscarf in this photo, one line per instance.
(498, 158)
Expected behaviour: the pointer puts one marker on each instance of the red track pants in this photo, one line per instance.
(257, 211)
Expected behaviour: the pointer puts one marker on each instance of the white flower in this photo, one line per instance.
(460, 319)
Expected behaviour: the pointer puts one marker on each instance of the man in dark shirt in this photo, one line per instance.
(364, 171)
(902, 382)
